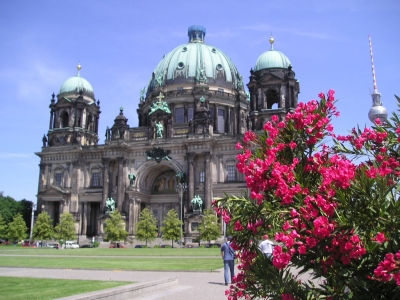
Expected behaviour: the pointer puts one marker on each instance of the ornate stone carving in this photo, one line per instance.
(158, 154)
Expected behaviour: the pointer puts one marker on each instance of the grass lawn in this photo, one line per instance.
(114, 263)
(210, 252)
(18, 288)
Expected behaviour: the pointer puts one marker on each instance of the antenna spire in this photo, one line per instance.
(373, 66)
(377, 110)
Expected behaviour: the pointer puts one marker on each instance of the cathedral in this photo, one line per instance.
(182, 154)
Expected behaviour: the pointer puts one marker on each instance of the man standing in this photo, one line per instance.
(266, 246)
(228, 255)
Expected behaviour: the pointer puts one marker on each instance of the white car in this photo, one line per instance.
(71, 245)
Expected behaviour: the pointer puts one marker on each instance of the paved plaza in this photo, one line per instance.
(191, 285)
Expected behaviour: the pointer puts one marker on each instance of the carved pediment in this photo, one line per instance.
(267, 78)
(54, 190)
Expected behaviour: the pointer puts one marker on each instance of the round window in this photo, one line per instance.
(219, 67)
(184, 49)
(181, 65)
(213, 50)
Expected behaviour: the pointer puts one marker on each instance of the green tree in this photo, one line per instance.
(146, 228)
(171, 229)
(3, 227)
(65, 230)
(209, 228)
(43, 228)
(9, 208)
(25, 209)
(17, 229)
(115, 228)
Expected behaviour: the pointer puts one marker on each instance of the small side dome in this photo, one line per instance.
(77, 84)
(272, 59)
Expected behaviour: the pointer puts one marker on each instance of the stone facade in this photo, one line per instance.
(189, 126)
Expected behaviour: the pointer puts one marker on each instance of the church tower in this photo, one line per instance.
(74, 115)
(273, 88)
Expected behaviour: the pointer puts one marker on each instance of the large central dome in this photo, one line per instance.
(196, 62)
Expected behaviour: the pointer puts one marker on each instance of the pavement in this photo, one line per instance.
(191, 285)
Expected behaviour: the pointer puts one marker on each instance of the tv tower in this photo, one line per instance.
(377, 110)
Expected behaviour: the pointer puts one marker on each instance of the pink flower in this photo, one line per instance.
(380, 238)
(302, 249)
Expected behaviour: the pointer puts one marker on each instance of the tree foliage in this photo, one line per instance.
(43, 228)
(333, 210)
(65, 230)
(146, 228)
(3, 227)
(209, 228)
(115, 228)
(9, 208)
(171, 229)
(17, 229)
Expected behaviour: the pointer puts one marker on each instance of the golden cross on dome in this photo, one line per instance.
(160, 97)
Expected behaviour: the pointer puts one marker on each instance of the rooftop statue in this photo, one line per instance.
(159, 79)
(142, 92)
(160, 105)
(201, 76)
(159, 130)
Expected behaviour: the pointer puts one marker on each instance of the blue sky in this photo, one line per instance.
(119, 43)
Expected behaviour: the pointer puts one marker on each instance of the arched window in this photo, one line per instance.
(65, 119)
(89, 122)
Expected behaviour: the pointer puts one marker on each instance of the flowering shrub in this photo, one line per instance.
(332, 209)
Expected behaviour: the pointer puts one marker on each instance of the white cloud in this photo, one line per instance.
(15, 155)
(33, 80)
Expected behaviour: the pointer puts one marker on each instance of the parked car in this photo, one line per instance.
(50, 245)
(26, 244)
(216, 245)
(86, 246)
(71, 245)
(141, 246)
(117, 245)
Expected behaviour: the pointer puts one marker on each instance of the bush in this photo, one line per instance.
(333, 208)
(96, 244)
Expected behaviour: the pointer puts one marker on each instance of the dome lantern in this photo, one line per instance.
(196, 34)
(272, 59)
(77, 84)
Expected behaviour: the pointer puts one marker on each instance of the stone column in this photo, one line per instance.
(229, 113)
(136, 213)
(216, 129)
(130, 217)
(51, 119)
(106, 183)
(68, 175)
(190, 160)
(87, 175)
(42, 169)
(219, 164)
(121, 181)
(84, 218)
(208, 179)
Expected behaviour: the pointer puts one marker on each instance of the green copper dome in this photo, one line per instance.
(272, 59)
(77, 84)
(196, 62)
